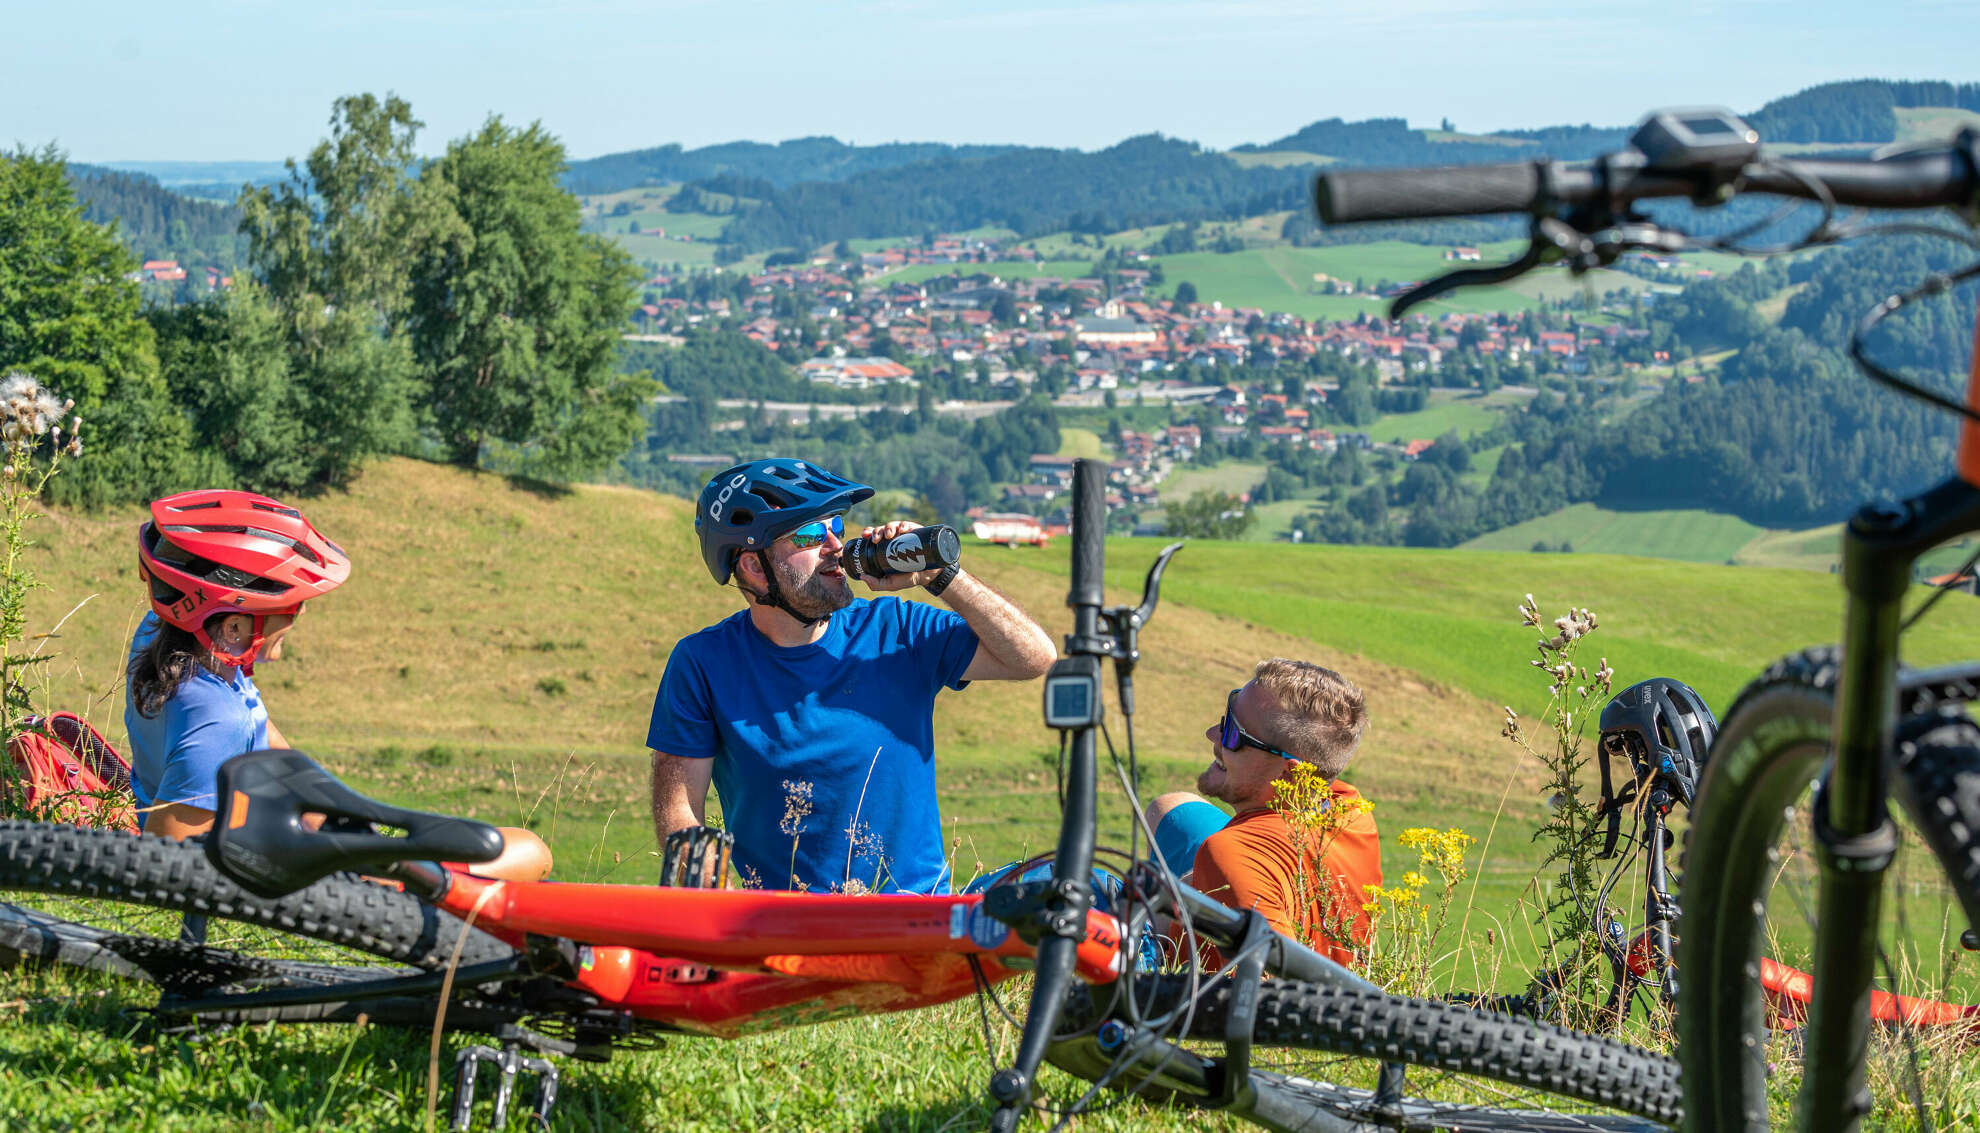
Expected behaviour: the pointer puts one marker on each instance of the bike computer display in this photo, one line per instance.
(1072, 693)
(1696, 138)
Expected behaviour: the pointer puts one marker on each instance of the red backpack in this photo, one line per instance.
(70, 773)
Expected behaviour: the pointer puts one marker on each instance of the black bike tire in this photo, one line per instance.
(175, 875)
(1439, 1036)
(1287, 1102)
(1774, 741)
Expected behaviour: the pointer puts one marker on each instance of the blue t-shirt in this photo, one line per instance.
(824, 753)
(208, 721)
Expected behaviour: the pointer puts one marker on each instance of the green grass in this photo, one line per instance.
(1082, 443)
(1273, 521)
(424, 681)
(1447, 410)
(1689, 534)
(1008, 269)
(1279, 159)
(1281, 278)
(1234, 476)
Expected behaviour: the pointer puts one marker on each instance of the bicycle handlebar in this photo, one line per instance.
(1911, 180)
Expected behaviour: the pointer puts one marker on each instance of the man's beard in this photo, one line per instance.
(1216, 791)
(815, 597)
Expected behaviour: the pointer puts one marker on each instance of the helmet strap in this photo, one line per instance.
(773, 596)
(244, 660)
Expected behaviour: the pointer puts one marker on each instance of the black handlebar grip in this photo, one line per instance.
(1406, 194)
(1089, 533)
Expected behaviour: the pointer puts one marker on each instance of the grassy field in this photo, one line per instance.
(1008, 269)
(1691, 535)
(1448, 409)
(1278, 159)
(1234, 476)
(1281, 278)
(495, 655)
(1081, 442)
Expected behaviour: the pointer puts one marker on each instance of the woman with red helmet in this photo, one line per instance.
(228, 574)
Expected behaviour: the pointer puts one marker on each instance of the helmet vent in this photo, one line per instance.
(742, 517)
(196, 507)
(277, 509)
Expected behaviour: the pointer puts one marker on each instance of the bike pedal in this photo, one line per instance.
(508, 1063)
(697, 858)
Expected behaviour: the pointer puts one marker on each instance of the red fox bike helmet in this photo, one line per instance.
(747, 507)
(225, 552)
(1665, 726)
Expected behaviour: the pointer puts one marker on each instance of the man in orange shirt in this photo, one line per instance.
(1311, 888)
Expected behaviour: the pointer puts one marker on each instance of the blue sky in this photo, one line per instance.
(210, 80)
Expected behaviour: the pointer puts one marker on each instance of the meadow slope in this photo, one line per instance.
(495, 654)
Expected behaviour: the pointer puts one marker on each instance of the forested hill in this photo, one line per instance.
(784, 163)
(1858, 111)
(1392, 141)
(155, 222)
(1153, 179)
(1144, 180)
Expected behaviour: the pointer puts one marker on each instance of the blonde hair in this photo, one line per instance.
(1318, 714)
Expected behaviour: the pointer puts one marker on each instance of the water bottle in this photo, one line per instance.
(924, 548)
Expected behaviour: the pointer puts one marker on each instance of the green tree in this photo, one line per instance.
(70, 317)
(226, 361)
(333, 246)
(1209, 515)
(515, 313)
(1185, 293)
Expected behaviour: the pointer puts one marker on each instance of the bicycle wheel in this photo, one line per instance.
(1318, 1052)
(156, 910)
(1750, 898)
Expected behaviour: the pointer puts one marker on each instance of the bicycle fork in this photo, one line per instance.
(1853, 834)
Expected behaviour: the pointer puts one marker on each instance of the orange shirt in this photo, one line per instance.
(1252, 864)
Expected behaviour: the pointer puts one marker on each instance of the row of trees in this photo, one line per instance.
(389, 305)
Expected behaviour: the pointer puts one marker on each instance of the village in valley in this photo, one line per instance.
(1106, 340)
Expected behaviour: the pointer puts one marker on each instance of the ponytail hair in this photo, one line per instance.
(166, 662)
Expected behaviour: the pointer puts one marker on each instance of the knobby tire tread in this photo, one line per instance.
(1935, 777)
(1444, 1036)
(171, 874)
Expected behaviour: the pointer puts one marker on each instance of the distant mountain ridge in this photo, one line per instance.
(782, 164)
(822, 189)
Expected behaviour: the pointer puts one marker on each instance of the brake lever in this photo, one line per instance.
(1551, 241)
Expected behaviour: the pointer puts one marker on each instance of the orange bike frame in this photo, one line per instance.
(726, 962)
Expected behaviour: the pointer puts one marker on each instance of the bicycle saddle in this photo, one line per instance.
(260, 841)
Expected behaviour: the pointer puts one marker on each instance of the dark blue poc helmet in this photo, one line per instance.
(746, 507)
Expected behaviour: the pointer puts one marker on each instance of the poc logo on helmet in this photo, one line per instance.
(722, 499)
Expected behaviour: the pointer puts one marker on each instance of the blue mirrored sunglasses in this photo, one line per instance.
(1233, 737)
(813, 534)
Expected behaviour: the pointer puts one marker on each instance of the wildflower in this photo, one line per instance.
(797, 807)
(27, 410)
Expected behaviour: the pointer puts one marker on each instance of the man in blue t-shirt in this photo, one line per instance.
(812, 711)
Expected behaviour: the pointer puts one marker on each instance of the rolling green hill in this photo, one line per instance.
(520, 632)
(495, 653)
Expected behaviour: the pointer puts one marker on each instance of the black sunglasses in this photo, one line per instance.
(1233, 736)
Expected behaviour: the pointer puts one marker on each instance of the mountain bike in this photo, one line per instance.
(1642, 967)
(579, 969)
(1792, 816)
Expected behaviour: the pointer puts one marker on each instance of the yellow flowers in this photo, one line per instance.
(1406, 921)
(1313, 815)
(1441, 850)
(1306, 801)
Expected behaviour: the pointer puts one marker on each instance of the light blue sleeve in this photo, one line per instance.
(205, 727)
